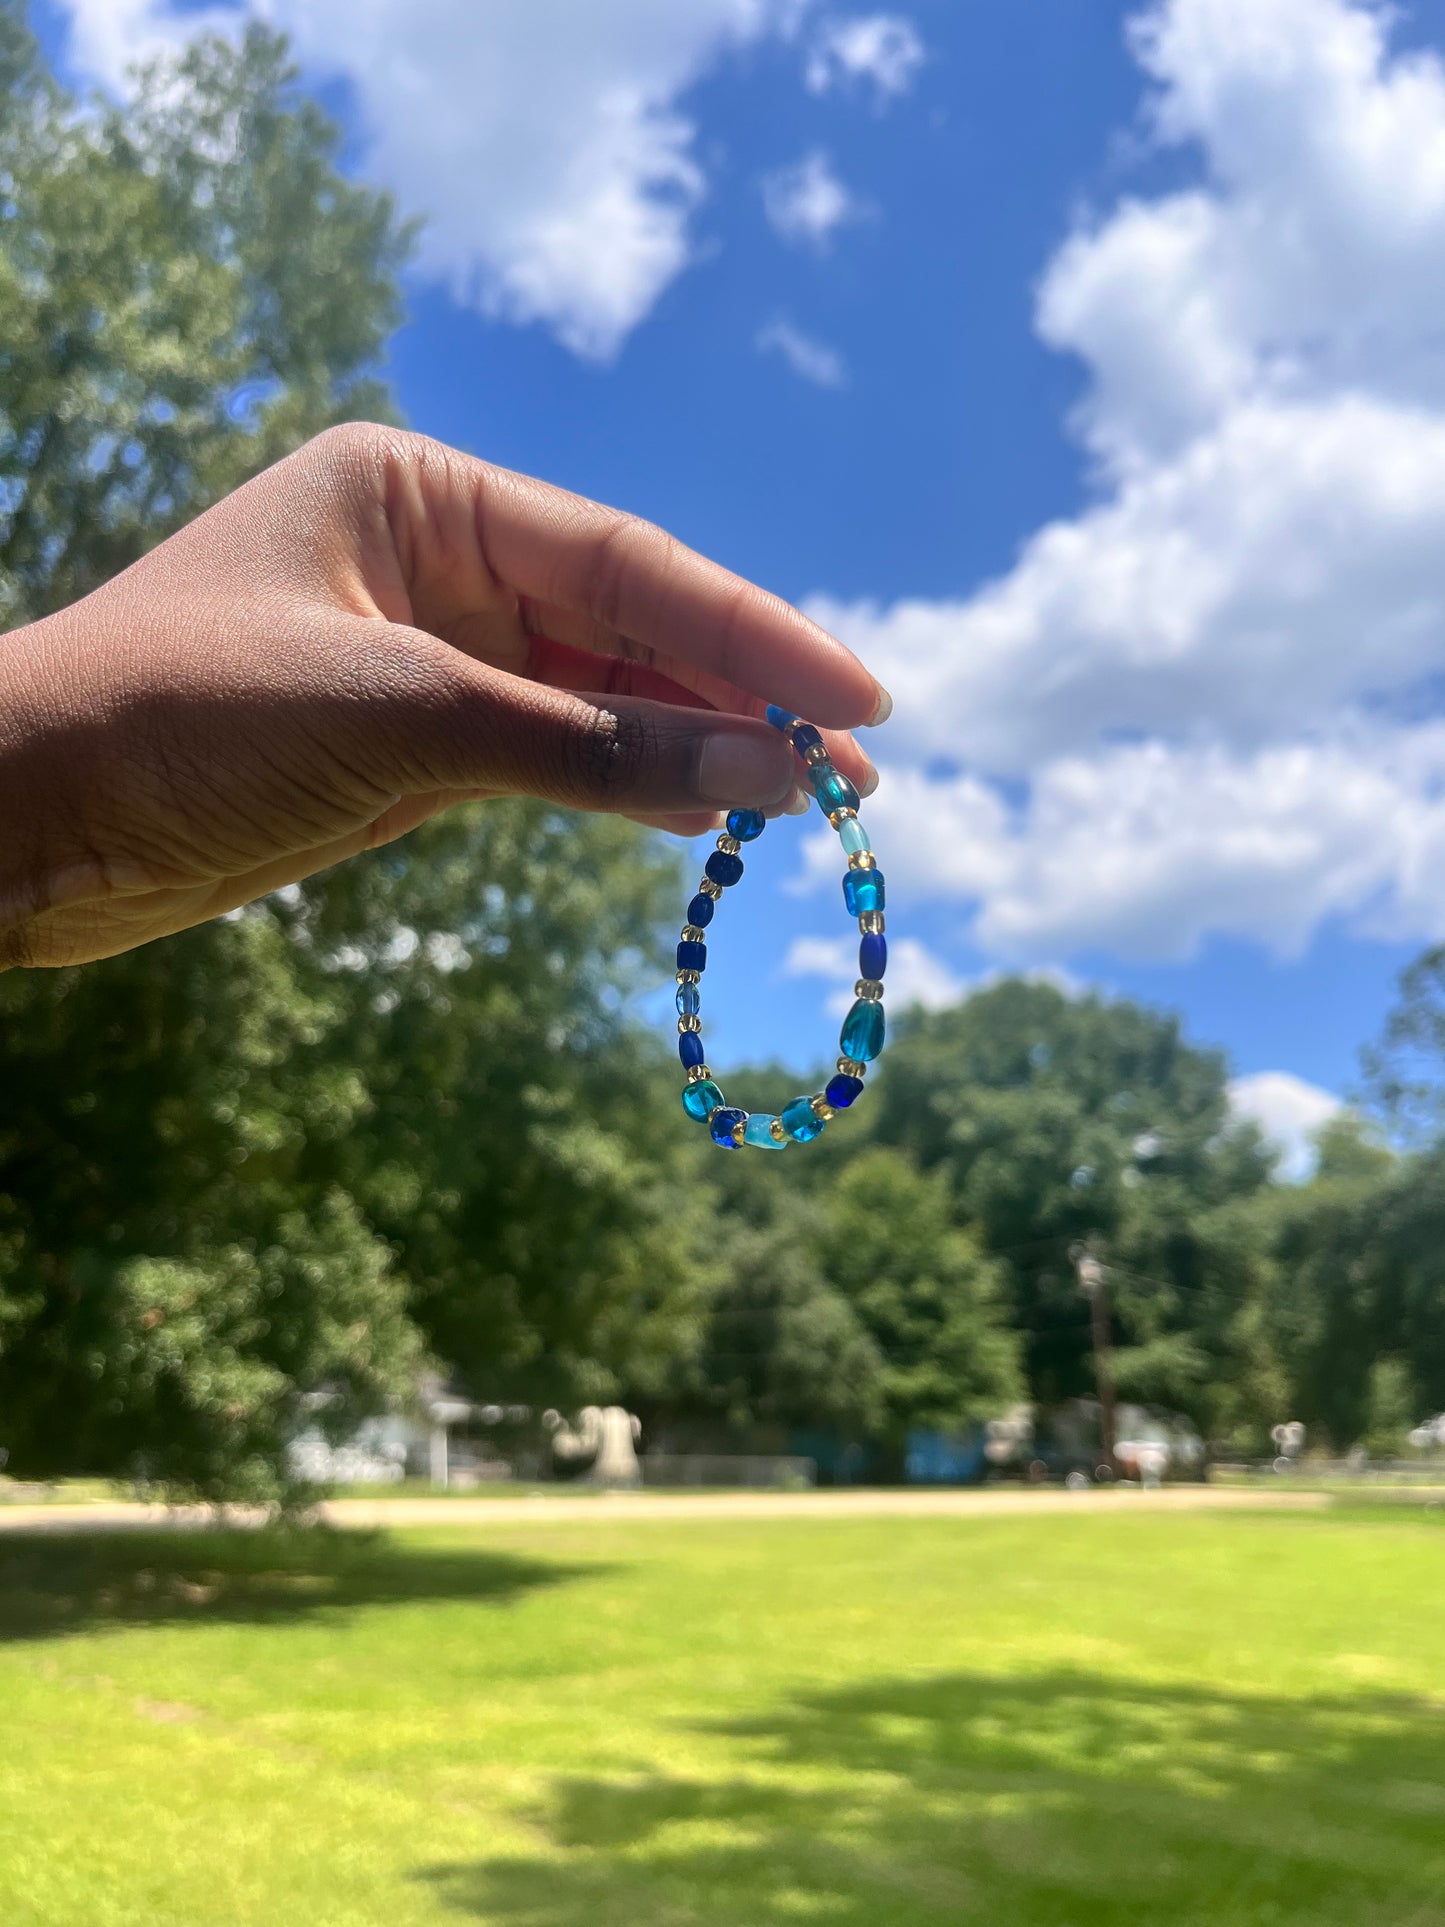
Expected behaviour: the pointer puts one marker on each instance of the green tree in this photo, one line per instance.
(188, 289)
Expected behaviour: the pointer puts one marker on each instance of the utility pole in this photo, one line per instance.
(1093, 1283)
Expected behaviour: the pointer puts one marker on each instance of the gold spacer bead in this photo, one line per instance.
(839, 817)
(815, 754)
(739, 1129)
(729, 845)
(850, 1067)
(776, 1131)
(707, 888)
(697, 1072)
(689, 976)
(862, 860)
(871, 923)
(821, 1108)
(692, 933)
(690, 1022)
(869, 989)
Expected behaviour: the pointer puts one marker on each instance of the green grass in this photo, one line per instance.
(1064, 1721)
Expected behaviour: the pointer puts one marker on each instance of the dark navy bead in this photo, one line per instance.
(746, 824)
(699, 911)
(691, 955)
(689, 1000)
(724, 867)
(689, 1048)
(863, 891)
(805, 737)
(843, 1090)
(780, 718)
(873, 956)
(723, 1122)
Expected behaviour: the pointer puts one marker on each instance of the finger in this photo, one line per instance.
(412, 716)
(472, 539)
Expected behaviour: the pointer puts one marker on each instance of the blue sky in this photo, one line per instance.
(1083, 374)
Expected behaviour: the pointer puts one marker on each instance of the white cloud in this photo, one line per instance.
(915, 974)
(1210, 701)
(806, 202)
(882, 49)
(1289, 1112)
(541, 139)
(813, 360)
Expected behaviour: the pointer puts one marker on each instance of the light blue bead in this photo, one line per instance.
(759, 1131)
(862, 892)
(801, 1121)
(781, 718)
(701, 1099)
(853, 836)
(861, 1037)
(688, 1000)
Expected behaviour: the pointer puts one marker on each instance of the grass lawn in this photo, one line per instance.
(1151, 1721)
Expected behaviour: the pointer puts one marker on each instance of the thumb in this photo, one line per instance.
(435, 719)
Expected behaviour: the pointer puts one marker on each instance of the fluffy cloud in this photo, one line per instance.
(812, 360)
(1209, 702)
(541, 138)
(881, 50)
(1289, 1112)
(806, 202)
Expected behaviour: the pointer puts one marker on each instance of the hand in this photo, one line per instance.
(371, 631)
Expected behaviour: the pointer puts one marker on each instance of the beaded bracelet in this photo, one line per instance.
(861, 1039)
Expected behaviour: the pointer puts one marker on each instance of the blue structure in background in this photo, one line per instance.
(936, 1458)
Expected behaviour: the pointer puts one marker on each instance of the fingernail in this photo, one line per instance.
(870, 782)
(737, 767)
(884, 709)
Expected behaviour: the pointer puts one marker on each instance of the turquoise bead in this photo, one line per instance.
(781, 718)
(853, 836)
(861, 1037)
(688, 1000)
(862, 892)
(832, 788)
(801, 1121)
(759, 1130)
(701, 1099)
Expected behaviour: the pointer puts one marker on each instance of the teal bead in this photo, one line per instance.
(862, 892)
(832, 788)
(853, 836)
(701, 1099)
(759, 1131)
(801, 1121)
(861, 1037)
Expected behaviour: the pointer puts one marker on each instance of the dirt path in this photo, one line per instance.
(573, 1508)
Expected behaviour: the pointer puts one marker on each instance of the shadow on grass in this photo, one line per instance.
(51, 1584)
(1065, 1800)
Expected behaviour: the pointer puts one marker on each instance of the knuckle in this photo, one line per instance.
(614, 754)
(629, 550)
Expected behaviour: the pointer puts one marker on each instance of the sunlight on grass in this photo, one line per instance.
(1057, 1721)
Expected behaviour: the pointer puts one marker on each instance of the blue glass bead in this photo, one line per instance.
(843, 1090)
(780, 718)
(724, 867)
(853, 836)
(759, 1131)
(873, 956)
(801, 1121)
(689, 1000)
(805, 737)
(863, 891)
(723, 1123)
(691, 955)
(746, 824)
(862, 1034)
(700, 1100)
(699, 911)
(832, 788)
(689, 1048)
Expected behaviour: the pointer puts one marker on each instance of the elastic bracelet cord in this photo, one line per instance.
(862, 1036)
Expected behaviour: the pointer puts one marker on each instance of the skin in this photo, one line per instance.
(376, 629)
